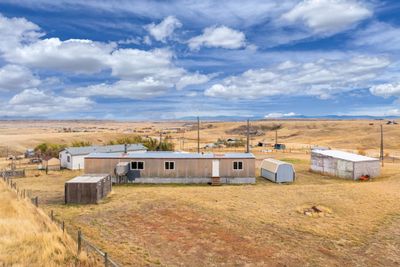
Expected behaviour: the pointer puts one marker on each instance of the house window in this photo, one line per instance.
(169, 165)
(68, 158)
(238, 165)
(137, 165)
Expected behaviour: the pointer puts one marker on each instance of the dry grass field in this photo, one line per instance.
(29, 238)
(252, 225)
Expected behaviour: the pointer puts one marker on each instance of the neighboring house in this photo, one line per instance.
(73, 157)
(51, 163)
(29, 153)
(174, 167)
(343, 164)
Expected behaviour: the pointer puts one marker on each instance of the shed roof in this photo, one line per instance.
(171, 155)
(85, 150)
(87, 178)
(273, 164)
(343, 155)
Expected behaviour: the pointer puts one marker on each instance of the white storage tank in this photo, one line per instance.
(277, 171)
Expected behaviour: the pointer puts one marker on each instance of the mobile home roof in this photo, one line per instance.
(84, 150)
(343, 155)
(171, 155)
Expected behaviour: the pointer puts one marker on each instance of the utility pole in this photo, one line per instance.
(198, 134)
(248, 137)
(276, 137)
(381, 154)
(159, 146)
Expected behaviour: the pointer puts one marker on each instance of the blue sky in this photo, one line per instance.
(140, 60)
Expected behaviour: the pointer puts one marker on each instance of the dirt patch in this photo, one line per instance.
(315, 211)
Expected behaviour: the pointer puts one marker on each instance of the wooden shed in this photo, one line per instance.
(88, 188)
(51, 163)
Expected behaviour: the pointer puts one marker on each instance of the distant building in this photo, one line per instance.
(73, 157)
(343, 164)
(174, 167)
(51, 163)
(29, 153)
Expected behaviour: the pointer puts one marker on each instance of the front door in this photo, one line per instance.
(215, 168)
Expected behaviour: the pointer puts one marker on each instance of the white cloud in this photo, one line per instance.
(378, 36)
(220, 36)
(74, 55)
(164, 29)
(386, 90)
(34, 102)
(322, 78)
(146, 88)
(15, 31)
(192, 79)
(16, 78)
(280, 115)
(327, 16)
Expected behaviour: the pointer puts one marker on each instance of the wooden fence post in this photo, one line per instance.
(105, 259)
(79, 241)
(63, 226)
(52, 215)
(37, 201)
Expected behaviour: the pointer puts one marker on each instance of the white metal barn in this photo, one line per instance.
(344, 164)
(277, 171)
(73, 158)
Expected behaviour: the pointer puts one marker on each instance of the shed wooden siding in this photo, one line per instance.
(87, 193)
(184, 168)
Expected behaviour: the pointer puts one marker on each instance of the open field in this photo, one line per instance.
(29, 238)
(252, 225)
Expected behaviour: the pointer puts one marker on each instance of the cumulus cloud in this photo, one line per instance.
(16, 78)
(74, 55)
(164, 29)
(327, 16)
(35, 102)
(15, 31)
(280, 115)
(218, 36)
(322, 78)
(192, 79)
(386, 90)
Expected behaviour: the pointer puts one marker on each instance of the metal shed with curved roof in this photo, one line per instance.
(277, 171)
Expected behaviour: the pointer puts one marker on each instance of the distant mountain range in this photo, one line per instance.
(219, 118)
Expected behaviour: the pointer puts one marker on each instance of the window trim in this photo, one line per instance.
(169, 161)
(237, 161)
(137, 161)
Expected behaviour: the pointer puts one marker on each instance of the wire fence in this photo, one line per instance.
(83, 244)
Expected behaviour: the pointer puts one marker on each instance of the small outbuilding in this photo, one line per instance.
(277, 171)
(51, 163)
(88, 188)
(344, 164)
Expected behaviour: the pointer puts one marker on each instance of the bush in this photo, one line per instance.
(151, 143)
(81, 143)
(47, 149)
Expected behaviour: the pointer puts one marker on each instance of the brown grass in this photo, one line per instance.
(252, 225)
(29, 238)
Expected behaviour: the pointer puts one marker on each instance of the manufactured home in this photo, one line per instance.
(88, 188)
(174, 167)
(343, 164)
(277, 171)
(73, 157)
